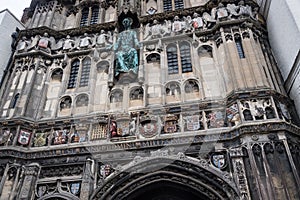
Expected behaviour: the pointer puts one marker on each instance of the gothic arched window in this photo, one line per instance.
(85, 73)
(95, 15)
(89, 15)
(239, 45)
(173, 5)
(73, 74)
(185, 56)
(14, 101)
(84, 17)
(172, 59)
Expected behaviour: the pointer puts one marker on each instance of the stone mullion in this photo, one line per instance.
(52, 14)
(87, 180)
(270, 185)
(34, 17)
(249, 54)
(21, 90)
(44, 95)
(13, 193)
(229, 61)
(92, 85)
(261, 193)
(259, 63)
(3, 179)
(241, 61)
(279, 171)
(16, 136)
(7, 91)
(269, 67)
(292, 164)
(30, 85)
(240, 173)
(30, 179)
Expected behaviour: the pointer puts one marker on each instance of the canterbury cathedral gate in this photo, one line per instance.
(146, 99)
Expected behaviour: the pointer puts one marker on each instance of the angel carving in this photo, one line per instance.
(157, 30)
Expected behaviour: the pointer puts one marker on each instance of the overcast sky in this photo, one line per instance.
(15, 6)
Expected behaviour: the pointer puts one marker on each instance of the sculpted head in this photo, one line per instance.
(127, 22)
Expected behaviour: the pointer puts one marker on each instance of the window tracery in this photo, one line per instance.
(85, 73)
(73, 74)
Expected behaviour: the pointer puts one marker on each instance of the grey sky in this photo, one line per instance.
(15, 6)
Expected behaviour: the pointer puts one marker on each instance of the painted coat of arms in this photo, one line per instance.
(40, 140)
(149, 126)
(216, 119)
(218, 160)
(192, 122)
(170, 124)
(75, 188)
(60, 137)
(24, 137)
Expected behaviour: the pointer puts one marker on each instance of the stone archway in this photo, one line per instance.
(163, 178)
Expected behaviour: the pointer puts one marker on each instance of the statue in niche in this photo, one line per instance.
(126, 54)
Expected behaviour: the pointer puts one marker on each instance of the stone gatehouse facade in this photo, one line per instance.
(186, 102)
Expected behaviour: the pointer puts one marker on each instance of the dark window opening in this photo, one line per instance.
(84, 17)
(185, 55)
(172, 60)
(15, 100)
(95, 15)
(85, 74)
(239, 47)
(73, 74)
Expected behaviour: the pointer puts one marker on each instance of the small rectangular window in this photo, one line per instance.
(239, 47)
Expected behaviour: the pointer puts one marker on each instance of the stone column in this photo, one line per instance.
(87, 180)
(239, 173)
(30, 178)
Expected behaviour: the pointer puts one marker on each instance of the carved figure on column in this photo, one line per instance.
(126, 53)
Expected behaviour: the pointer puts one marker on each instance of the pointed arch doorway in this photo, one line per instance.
(167, 178)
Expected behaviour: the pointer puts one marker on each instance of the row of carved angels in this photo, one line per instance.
(49, 44)
(190, 24)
